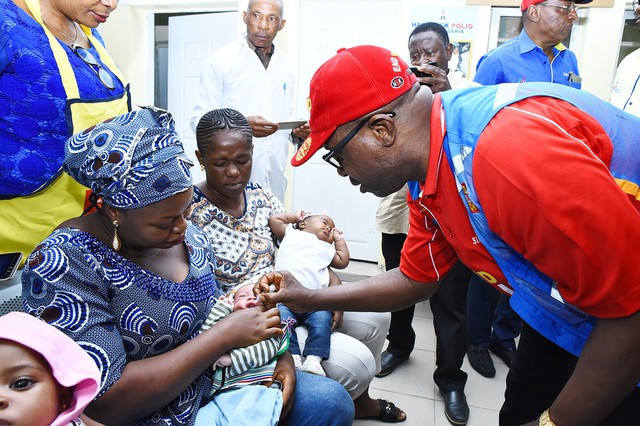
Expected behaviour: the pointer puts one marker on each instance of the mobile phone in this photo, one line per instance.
(290, 124)
(418, 73)
(9, 264)
(421, 73)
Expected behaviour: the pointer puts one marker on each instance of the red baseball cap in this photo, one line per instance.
(526, 3)
(353, 83)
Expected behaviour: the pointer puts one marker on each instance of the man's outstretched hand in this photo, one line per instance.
(281, 287)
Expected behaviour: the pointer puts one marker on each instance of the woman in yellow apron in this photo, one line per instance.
(56, 79)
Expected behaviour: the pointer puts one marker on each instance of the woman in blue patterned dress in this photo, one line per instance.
(133, 283)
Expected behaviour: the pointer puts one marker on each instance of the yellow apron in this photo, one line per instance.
(26, 221)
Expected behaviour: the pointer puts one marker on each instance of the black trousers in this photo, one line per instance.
(538, 373)
(401, 336)
(448, 306)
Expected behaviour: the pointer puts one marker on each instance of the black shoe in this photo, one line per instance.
(389, 362)
(504, 354)
(481, 361)
(455, 407)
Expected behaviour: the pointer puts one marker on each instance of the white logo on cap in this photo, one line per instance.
(397, 82)
(395, 64)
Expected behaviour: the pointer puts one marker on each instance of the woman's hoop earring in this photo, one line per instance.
(117, 245)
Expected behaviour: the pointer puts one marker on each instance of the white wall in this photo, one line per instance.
(598, 52)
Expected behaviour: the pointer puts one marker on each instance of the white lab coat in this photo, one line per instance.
(625, 93)
(234, 77)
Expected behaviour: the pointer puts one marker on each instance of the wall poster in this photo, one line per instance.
(460, 23)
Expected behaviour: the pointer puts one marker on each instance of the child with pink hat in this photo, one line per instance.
(45, 377)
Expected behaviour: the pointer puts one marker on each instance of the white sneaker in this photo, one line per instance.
(312, 365)
(297, 362)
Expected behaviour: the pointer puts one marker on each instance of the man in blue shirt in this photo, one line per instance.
(537, 54)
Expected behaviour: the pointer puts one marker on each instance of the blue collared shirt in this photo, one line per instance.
(520, 60)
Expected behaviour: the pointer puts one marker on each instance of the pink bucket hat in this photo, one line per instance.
(71, 366)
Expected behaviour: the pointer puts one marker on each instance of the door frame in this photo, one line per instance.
(133, 50)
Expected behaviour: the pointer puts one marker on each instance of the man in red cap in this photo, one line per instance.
(533, 186)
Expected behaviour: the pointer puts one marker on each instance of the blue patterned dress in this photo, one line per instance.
(119, 312)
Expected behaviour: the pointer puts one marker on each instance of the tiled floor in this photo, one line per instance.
(411, 385)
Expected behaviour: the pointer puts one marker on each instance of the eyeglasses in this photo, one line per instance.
(564, 9)
(88, 58)
(332, 157)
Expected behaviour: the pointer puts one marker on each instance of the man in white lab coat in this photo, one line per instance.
(253, 76)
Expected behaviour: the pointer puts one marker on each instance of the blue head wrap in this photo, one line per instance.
(131, 160)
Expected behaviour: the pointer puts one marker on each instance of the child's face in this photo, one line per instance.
(29, 395)
(321, 226)
(244, 298)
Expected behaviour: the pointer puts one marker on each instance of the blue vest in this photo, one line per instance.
(535, 297)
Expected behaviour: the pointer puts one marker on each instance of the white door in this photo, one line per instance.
(326, 26)
(191, 39)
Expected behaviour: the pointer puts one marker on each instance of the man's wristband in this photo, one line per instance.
(545, 420)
